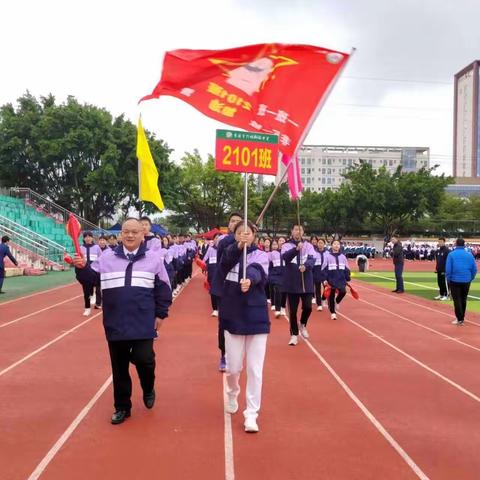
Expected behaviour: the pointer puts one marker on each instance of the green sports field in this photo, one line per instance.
(423, 284)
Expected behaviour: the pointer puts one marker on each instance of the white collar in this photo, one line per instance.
(127, 252)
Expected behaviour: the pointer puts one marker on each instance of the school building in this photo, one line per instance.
(322, 166)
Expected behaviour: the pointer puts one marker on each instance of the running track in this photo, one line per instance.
(389, 391)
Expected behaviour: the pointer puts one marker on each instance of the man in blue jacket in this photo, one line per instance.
(460, 272)
(5, 252)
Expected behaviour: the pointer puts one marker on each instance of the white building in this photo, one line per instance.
(466, 131)
(322, 166)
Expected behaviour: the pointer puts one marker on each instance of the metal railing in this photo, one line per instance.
(51, 209)
(39, 246)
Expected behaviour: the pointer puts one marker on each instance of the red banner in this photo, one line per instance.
(268, 88)
(246, 152)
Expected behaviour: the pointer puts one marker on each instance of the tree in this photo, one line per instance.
(77, 155)
(207, 195)
(393, 200)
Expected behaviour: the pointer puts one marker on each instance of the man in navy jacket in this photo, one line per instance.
(136, 297)
(460, 271)
(5, 252)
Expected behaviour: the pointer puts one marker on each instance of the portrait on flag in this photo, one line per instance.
(268, 88)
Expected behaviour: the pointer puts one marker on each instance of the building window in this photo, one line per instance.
(323, 171)
(323, 180)
(303, 171)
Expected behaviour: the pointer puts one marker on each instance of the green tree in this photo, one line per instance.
(207, 195)
(77, 155)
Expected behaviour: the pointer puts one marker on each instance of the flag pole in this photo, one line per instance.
(274, 192)
(245, 215)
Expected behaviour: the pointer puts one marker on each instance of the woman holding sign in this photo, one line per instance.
(245, 320)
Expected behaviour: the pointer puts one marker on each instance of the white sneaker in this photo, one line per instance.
(304, 332)
(438, 297)
(293, 340)
(314, 300)
(232, 405)
(272, 307)
(283, 312)
(87, 312)
(277, 314)
(455, 322)
(333, 316)
(93, 300)
(215, 313)
(251, 425)
(444, 299)
(319, 308)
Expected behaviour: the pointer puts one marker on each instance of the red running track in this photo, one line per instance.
(390, 390)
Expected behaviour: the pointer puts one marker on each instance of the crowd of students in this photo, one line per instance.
(427, 251)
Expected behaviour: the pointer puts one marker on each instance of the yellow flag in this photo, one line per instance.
(147, 171)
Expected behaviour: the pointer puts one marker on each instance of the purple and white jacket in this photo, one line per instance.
(135, 291)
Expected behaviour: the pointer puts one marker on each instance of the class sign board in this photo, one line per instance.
(246, 152)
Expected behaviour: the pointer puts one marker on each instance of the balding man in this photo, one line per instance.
(136, 297)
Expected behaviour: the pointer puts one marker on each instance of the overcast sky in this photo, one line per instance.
(396, 90)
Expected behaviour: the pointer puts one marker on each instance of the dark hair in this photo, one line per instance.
(147, 219)
(102, 237)
(297, 225)
(235, 214)
(442, 238)
(460, 242)
(112, 235)
(250, 225)
(5, 239)
(321, 239)
(88, 233)
(313, 237)
(335, 240)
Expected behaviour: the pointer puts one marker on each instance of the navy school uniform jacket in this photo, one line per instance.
(292, 277)
(319, 269)
(91, 253)
(5, 252)
(210, 259)
(441, 259)
(276, 268)
(134, 292)
(216, 286)
(338, 273)
(243, 313)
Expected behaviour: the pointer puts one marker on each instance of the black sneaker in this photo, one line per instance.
(119, 416)
(149, 399)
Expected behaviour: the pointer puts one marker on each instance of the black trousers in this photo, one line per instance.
(142, 355)
(2, 277)
(332, 300)
(319, 296)
(279, 298)
(87, 293)
(442, 284)
(459, 292)
(214, 300)
(98, 295)
(221, 339)
(293, 302)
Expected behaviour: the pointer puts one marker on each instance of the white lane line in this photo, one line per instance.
(38, 311)
(411, 283)
(444, 335)
(40, 468)
(228, 436)
(36, 293)
(414, 360)
(403, 299)
(43, 347)
(68, 432)
(376, 423)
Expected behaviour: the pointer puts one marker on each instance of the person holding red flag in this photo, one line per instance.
(91, 252)
(297, 282)
(338, 275)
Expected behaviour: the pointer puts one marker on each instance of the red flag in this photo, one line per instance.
(268, 88)
(354, 292)
(74, 229)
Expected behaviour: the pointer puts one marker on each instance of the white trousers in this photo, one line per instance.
(253, 347)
